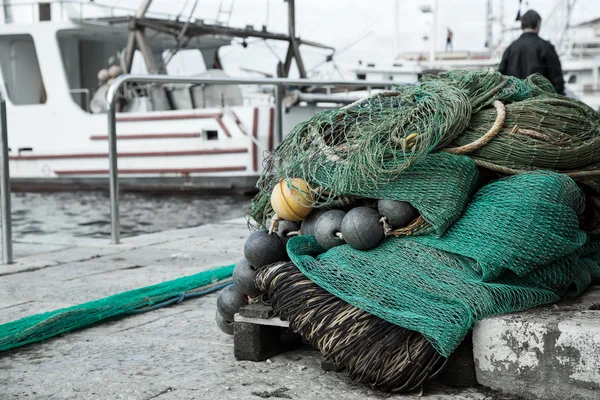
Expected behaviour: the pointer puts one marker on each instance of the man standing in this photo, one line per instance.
(530, 54)
(449, 37)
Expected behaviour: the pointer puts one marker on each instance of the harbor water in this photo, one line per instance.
(87, 214)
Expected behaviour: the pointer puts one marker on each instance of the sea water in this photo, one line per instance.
(87, 214)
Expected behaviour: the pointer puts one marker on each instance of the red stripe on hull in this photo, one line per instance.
(166, 117)
(132, 155)
(223, 127)
(238, 122)
(150, 136)
(183, 171)
(255, 135)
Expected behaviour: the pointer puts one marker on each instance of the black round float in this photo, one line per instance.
(361, 228)
(328, 229)
(243, 279)
(229, 302)
(286, 227)
(397, 213)
(262, 249)
(224, 325)
(309, 223)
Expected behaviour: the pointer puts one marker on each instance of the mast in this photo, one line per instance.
(434, 23)
(489, 24)
(294, 46)
(8, 17)
(137, 38)
(397, 26)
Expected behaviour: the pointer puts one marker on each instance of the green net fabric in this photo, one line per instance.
(43, 326)
(517, 246)
(517, 224)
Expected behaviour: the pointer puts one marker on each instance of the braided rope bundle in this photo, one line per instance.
(374, 351)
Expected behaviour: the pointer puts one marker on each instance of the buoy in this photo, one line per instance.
(292, 199)
(103, 75)
(361, 228)
(309, 223)
(243, 279)
(286, 227)
(224, 325)
(328, 229)
(262, 249)
(397, 213)
(115, 71)
(229, 302)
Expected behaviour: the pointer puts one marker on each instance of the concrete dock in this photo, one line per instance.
(175, 352)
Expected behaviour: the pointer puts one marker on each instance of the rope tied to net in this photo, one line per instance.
(485, 139)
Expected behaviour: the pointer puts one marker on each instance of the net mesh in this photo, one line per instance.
(517, 246)
(369, 143)
(43, 326)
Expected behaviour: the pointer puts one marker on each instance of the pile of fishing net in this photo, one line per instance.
(504, 175)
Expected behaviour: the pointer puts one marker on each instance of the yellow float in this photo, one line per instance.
(292, 199)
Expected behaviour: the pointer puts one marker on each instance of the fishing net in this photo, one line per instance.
(366, 145)
(392, 358)
(544, 132)
(43, 326)
(517, 246)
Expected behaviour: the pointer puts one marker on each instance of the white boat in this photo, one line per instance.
(578, 47)
(180, 137)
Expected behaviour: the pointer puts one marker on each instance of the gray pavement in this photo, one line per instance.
(171, 353)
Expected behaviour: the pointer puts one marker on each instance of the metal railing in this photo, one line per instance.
(279, 83)
(7, 251)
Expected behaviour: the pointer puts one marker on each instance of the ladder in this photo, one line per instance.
(224, 12)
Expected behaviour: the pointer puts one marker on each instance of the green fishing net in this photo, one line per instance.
(369, 143)
(517, 246)
(518, 242)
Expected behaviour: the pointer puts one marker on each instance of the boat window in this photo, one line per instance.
(572, 79)
(86, 57)
(211, 135)
(21, 70)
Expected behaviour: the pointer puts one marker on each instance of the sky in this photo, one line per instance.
(362, 29)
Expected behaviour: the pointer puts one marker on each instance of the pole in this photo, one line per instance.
(141, 11)
(294, 42)
(278, 113)
(489, 24)
(397, 26)
(434, 22)
(7, 251)
(111, 99)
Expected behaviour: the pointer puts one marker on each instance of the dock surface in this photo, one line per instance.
(175, 352)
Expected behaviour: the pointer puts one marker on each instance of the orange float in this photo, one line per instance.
(292, 199)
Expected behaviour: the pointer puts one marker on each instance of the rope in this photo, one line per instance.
(182, 297)
(485, 139)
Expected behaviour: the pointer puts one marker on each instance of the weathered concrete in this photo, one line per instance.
(171, 353)
(549, 353)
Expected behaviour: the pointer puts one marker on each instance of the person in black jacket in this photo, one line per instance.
(530, 54)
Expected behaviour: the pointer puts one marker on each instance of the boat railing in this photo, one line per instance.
(75, 9)
(278, 83)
